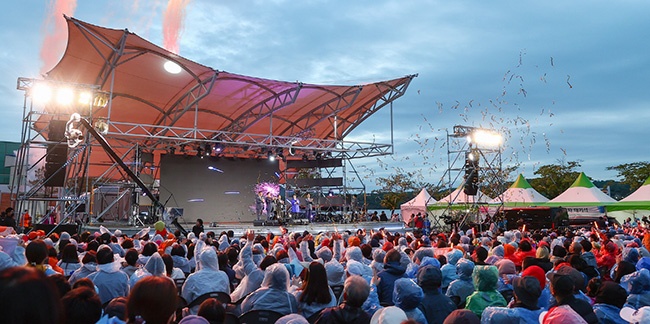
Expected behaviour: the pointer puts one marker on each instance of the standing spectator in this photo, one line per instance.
(197, 229)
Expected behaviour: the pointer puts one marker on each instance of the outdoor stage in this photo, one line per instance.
(240, 228)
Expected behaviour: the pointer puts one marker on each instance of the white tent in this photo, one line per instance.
(581, 193)
(520, 193)
(637, 204)
(459, 197)
(641, 194)
(417, 205)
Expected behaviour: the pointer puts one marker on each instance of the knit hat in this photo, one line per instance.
(354, 241)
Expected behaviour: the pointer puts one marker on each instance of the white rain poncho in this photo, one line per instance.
(207, 279)
(154, 267)
(246, 270)
(273, 294)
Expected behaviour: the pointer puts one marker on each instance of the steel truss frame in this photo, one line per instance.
(489, 174)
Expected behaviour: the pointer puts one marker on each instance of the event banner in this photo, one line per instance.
(585, 212)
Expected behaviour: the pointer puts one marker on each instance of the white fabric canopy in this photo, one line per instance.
(417, 205)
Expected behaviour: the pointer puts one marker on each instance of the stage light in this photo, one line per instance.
(211, 168)
(218, 148)
(487, 138)
(64, 96)
(183, 148)
(208, 149)
(85, 98)
(172, 150)
(41, 93)
(172, 67)
(199, 151)
(305, 157)
(473, 155)
(270, 156)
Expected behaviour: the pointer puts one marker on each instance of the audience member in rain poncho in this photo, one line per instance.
(527, 291)
(462, 287)
(507, 272)
(147, 251)
(435, 306)
(315, 295)
(421, 253)
(154, 267)
(371, 304)
(587, 255)
(17, 258)
(449, 269)
(89, 266)
(247, 271)
(355, 292)
(638, 288)
(609, 301)
(223, 242)
(206, 279)
(335, 271)
(69, 262)
(180, 261)
(131, 258)
(485, 280)
(109, 280)
(393, 270)
(273, 294)
(354, 253)
(407, 295)
(377, 264)
(562, 287)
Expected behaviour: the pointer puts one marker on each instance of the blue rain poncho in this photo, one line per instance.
(449, 269)
(464, 285)
(500, 315)
(407, 295)
(110, 281)
(638, 288)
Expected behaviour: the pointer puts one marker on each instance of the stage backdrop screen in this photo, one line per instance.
(213, 189)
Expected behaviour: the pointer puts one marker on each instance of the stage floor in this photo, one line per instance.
(240, 228)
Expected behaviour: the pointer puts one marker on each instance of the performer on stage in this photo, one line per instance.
(268, 200)
(295, 207)
(309, 201)
(279, 207)
(259, 205)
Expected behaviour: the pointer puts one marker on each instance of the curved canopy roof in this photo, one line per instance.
(206, 103)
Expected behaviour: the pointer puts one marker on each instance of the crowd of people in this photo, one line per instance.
(586, 275)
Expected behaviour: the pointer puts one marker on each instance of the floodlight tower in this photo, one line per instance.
(473, 162)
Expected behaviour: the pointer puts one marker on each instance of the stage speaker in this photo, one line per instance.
(57, 155)
(70, 228)
(56, 131)
(258, 223)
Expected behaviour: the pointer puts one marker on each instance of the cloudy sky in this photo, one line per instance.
(565, 80)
